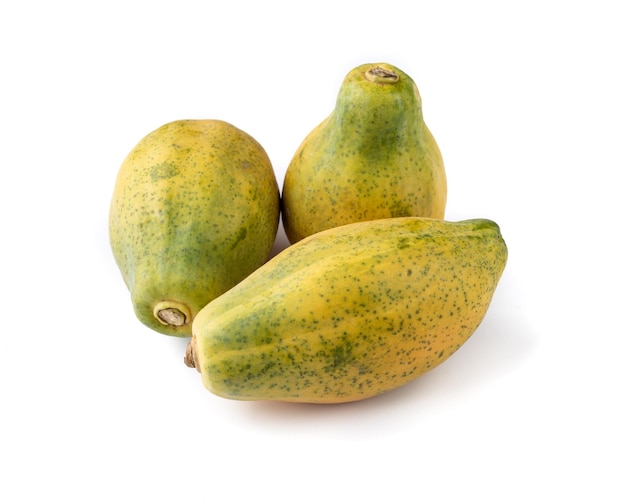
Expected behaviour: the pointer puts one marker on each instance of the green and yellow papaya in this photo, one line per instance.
(195, 209)
(350, 312)
(372, 157)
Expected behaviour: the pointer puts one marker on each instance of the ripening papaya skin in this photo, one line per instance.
(351, 312)
(195, 209)
(372, 157)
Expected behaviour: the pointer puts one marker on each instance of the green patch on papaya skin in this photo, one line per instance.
(338, 356)
(403, 243)
(483, 223)
(241, 235)
(163, 171)
(400, 209)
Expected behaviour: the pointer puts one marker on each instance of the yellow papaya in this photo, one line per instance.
(350, 312)
(195, 209)
(372, 157)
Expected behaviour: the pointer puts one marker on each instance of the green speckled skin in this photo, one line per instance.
(372, 157)
(195, 209)
(350, 312)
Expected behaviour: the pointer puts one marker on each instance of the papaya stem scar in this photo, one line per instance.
(172, 313)
(381, 75)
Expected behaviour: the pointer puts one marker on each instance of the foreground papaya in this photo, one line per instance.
(372, 157)
(195, 209)
(350, 312)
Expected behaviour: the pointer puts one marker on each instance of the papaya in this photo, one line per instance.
(350, 312)
(195, 209)
(372, 157)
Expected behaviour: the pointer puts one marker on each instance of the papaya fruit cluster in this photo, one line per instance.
(376, 287)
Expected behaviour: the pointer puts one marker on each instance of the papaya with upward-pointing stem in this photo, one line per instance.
(372, 157)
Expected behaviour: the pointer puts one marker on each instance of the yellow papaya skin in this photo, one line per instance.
(372, 157)
(350, 312)
(194, 210)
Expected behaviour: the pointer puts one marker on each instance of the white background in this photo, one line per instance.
(527, 103)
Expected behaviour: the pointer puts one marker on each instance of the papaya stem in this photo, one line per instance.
(172, 313)
(171, 316)
(380, 75)
(190, 359)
